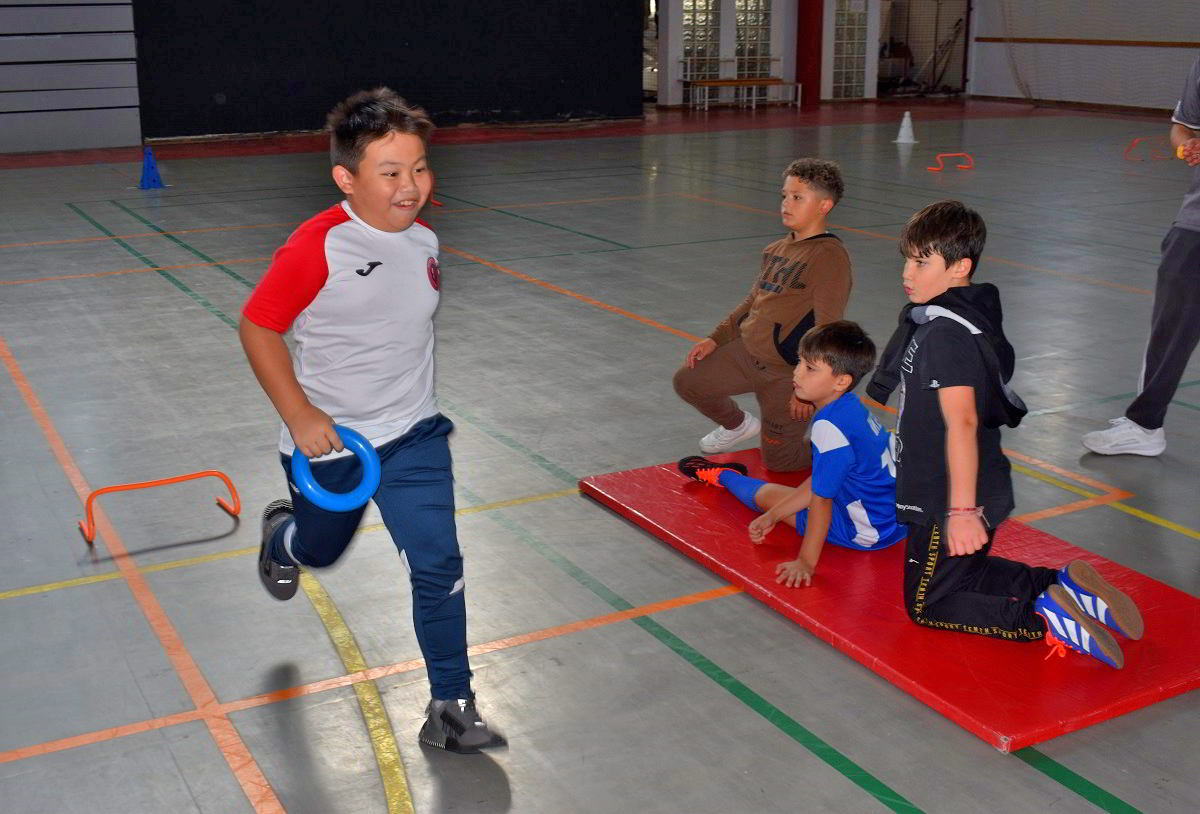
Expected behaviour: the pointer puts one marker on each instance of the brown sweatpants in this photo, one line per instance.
(729, 371)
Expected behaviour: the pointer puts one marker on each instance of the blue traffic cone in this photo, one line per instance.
(150, 176)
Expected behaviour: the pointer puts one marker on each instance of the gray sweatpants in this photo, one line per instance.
(731, 370)
(1174, 327)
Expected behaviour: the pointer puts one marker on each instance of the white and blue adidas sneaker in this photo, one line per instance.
(1068, 626)
(1100, 600)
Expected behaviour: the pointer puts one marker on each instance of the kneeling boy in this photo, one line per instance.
(850, 498)
(952, 363)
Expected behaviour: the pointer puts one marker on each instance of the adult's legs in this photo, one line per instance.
(416, 499)
(1174, 328)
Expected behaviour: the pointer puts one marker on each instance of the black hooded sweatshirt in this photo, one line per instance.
(956, 339)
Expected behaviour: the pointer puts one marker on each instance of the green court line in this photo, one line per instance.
(1085, 788)
(183, 245)
(534, 220)
(1119, 397)
(775, 716)
(208, 306)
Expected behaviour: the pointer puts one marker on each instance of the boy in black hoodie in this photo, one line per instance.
(952, 363)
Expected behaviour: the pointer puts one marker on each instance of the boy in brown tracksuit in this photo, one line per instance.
(804, 282)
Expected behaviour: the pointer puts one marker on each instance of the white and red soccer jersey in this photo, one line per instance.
(360, 303)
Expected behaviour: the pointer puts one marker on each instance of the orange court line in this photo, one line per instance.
(140, 270)
(370, 674)
(1069, 508)
(573, 294)
(297, 223)
(552, 203)
(1066, 473)
(233, 749)
(144, 234)
(1067, 275)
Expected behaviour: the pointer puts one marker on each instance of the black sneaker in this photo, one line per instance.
(456, 727)
(706, 471)
(281, 581)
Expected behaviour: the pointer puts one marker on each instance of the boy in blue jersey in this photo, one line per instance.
(850, 498)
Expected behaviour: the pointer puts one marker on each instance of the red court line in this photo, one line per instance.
(1067, 275)
(140, 270)
(233, 749)
(654, 122)
(370, 674)
(572, 294)
(96, 238)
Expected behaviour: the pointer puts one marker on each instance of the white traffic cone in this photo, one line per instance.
(905, 136)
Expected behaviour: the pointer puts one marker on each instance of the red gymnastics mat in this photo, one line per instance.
(1007, 693)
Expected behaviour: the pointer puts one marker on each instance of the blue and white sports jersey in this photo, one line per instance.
(852, 465)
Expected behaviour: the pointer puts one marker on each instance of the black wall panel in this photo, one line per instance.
(252, 66)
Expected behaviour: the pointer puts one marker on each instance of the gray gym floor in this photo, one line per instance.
(121, 364)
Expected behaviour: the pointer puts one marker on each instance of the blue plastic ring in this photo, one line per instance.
(340, 501)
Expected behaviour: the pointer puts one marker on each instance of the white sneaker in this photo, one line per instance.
(1126, 438)
(722, 440)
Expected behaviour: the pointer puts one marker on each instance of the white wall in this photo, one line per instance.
(1099, 74)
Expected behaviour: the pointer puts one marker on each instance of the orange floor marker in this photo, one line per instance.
(89, 527)
(970, 162)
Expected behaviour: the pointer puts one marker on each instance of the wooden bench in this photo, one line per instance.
(738, 84)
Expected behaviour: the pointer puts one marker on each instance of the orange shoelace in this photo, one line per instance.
(1057, 648)
(710, 475)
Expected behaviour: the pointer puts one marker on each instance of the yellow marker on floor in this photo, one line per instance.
(383, 739)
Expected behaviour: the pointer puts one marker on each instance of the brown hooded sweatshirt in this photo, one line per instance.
(802, 284)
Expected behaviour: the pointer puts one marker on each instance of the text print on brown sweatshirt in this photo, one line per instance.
(802, 284)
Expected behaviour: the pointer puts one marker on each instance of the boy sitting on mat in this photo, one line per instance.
(952, 364)
(804, 281)
(850, 498)
(358, 285)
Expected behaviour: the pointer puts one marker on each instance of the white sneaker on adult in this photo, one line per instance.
(723, 440)
(1125, 437)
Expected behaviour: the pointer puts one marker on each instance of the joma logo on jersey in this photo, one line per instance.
(371, 266)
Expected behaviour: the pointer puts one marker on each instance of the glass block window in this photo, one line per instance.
(753, 41)
(701, 41)
(849, 48)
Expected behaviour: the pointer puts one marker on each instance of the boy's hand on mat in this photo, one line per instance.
(801, 410)
(761, 526)
(793, 573)
(701, 349)
(312, 432)
(967, 534)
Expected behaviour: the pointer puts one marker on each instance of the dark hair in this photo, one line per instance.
(842, 345)
(818, 173)
(369, 115)
(948, 228)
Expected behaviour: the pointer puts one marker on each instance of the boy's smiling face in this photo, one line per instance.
(392, 183)
(928, 277)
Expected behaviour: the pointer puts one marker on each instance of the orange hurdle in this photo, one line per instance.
(970, 161)
(89, 528)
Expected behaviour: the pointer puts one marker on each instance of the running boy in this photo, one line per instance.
(850, 498)
(953, 485)
(358, 285)
(804, 281)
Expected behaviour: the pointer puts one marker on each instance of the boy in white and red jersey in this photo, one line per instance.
(358, 285)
